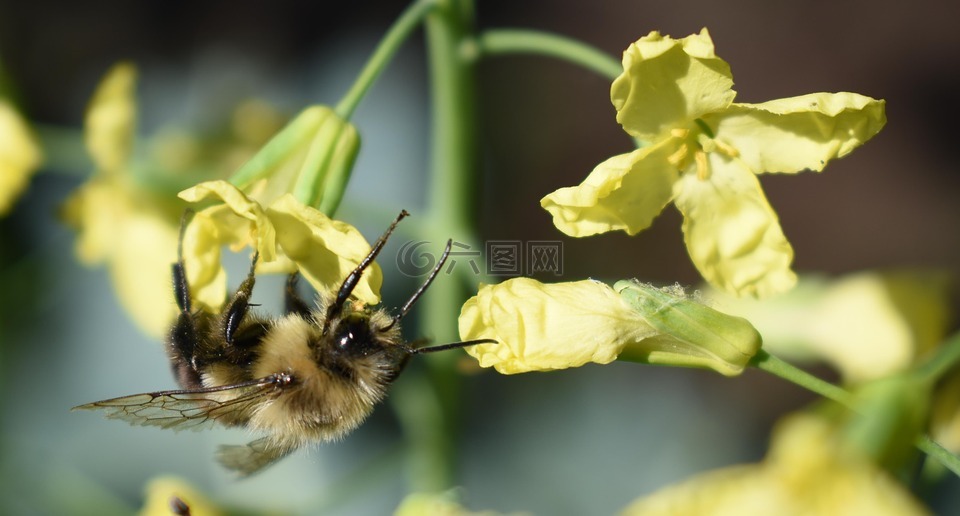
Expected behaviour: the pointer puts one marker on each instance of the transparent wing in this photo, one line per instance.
(247, 459)
(196, 408)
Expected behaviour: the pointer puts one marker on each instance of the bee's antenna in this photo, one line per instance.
(416, 295)
(452, 345)
(351, 282)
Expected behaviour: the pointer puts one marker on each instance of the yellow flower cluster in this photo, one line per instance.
(702, 152)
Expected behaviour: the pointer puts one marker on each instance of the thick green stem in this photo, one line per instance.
(398, 33)
(432, 429)
(518, 41)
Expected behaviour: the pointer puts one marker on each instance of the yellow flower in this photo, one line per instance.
(541, 327)
(130, 229)
(288, 235)
(19, 156)
(868, 325)
(702, 151)
(128, 215)
(164, 494)
(805, 472)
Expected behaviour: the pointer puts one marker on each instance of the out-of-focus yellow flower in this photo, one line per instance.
(19, 156)
(702, 151)
(288, 235)
(165, 494)
(436, 504)
(541, 327)
(868, 325)
(806, 472)
(130, 229)
(128, 214)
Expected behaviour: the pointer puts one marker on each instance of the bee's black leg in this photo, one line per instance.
(237, 309)
(183, 335)
(293, 303)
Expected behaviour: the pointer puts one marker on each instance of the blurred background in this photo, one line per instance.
(584, 441)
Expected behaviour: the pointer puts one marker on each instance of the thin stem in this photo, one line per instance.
(408, 21)
(946, 358)
(773, 365)
(935, 450)
(519, 41)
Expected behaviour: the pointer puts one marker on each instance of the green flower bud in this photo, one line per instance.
(311, 157)
(691, 333)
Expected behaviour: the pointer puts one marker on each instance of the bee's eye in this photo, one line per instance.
(353, 335)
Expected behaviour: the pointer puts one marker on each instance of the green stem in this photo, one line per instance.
(934, 449)
(518, 41)
(948, 354)
(773, 365)
(427, 404)
(409, 20)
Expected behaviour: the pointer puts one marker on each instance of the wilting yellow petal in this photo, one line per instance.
(19, 156)
(732, 234)
(250, 216)
(666, 83)
(542, 327)
(805, 132)
(166, 493)
(111, 120)
(326, 251)
(804, 473)
(625, 192)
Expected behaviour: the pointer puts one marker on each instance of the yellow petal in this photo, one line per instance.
(732, 234)
(251, 218)
(804, 473)
(110, 124)
(325, 250)
(208, 231)
(164, 491)
(625, 192)
(542, 327)
(666, 83)
(19, 156)
(793, 134)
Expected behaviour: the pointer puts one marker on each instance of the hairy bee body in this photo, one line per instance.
(311, 375)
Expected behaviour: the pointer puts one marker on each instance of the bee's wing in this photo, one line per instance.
(193, 408)
(247, 459)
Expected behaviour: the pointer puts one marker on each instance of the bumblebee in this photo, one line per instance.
(311, 375)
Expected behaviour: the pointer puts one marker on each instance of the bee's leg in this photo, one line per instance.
(236, 309)
(293, 303)
(183, 336)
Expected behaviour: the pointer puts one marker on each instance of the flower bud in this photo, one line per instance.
(311, 157)
(691, 333)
